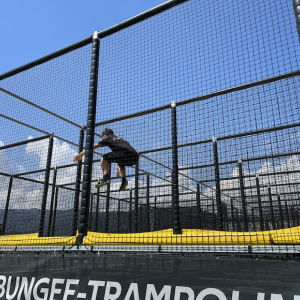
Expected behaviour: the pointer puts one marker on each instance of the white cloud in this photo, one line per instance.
(27, 195)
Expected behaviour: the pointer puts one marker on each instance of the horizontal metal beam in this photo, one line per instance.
(39, 107)
(25, 142)
(204, 97)
(244, 160)
(46, 58)
(140, 17)
(36, 129)
(232, 136)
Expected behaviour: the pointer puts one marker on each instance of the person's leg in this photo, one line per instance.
(121, 171)
(105, 165)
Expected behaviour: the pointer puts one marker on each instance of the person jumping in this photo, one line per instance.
(123, 154)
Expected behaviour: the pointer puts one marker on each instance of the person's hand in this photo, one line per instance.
(77, 157)
(118, 172)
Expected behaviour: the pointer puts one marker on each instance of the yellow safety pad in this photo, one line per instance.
(32, 239)
(163, 237)
(188, 237)
(286, 236)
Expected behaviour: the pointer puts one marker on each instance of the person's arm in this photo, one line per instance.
(79, 156)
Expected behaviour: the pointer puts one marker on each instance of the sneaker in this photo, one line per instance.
(102, 183)
(123, 185)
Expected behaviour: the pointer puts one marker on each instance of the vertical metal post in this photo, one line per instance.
(214, 216)
(55, 209)
(225, 216)
(239, 228)
(271, 207)
(198, 205)
(107, 207)
(89, 144)
(148, 202)
(253, 219)
(136, 198)
(175, 181)
(119, 215)
(78, 183)
(218, 187)
(91, 213)
(296, 5)
(261, 218)
(243, 196)
(293, 216)
(267, 225)
(141, 227)
(232, 214)
(280, 212)
(130, 209)
(287, 215)
(46, 186)
(52, 202)
(155, 212)
(97, 211)
(7, 205)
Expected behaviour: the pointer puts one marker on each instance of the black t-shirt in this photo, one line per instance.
(117, 144)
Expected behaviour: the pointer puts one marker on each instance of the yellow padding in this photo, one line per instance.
(286, 236)
(32, 239)
(188, 237)
(163, 237)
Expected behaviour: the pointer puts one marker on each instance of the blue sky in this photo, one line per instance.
(34, 28)
(183, 53)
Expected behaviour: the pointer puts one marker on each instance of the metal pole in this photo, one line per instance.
(175, 182)
(130, 209)
(52, 202)
(287, 215)
(232, 214)
(90, 131)
(218, 187)
(7, 205)
(78, 183)
(293, 216)
(46, 186)
(253, 219)
(198, 205)
(243, 196)
(136, 199)
(91, 213)
(225, 217)
(271, 208)
(107, 207)
(55, 209)
(261, 218)
(148, 202)
(280, 212)
(239, 228)
(155, 212)
(97, 211)
(119, 215)
(214, 216)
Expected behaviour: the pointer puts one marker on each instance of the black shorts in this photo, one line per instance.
(122, 158)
